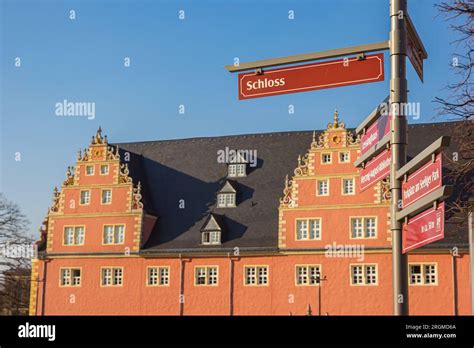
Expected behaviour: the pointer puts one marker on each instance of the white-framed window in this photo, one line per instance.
(206, 275)
(308, 274)
(85, 197)
(363, 274)
(73, 235)
(326, 158)
(158, 276)
(106, 196)
(237, 170)
(322, 188)
(70, 276)
(225, 200)
(308, 229)
(256, 275)
(89, 170)
(423, 274)
(348, 186)
(370, 227)
(112, 276)
(211, 237)
(344, 157)
(104, 169)
(114, 234)
(363, 227)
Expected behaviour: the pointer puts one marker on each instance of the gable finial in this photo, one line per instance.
(336, 118)
(97, 138)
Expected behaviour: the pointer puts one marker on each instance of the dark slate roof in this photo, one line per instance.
(187, 169)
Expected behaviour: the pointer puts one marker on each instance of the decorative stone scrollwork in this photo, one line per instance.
(137, 197)
(113, 154)
(56, 195)
(98, 139)
(302, 169)
(69, 177)
(385, 193)
(84, 155)
(124, 174)
(287, 199)
(320, 142)
(352, 139)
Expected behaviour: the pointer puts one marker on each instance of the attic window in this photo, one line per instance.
(211, 237)
(226, 200)
(226, 196)
(237, 169)
(211, 231)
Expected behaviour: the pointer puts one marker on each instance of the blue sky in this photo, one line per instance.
(177, 62)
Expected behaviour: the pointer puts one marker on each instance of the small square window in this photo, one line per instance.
(344, 157)
(364, 275)
(325, 158)
(308, 275)
(70, 277)
(256, 275)
(104, 169)
(206, 275)
(158, 276)
(89, 170)
(114, 234)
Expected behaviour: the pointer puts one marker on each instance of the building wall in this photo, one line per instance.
(281, 296)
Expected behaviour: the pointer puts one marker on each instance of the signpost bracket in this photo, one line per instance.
(419, 160)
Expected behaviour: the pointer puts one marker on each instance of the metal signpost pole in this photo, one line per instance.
(398, 141)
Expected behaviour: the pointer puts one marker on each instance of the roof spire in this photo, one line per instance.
(336, 119)
(98, 139)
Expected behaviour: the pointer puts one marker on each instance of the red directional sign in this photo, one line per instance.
(308, 77)
(375, 170)
(375, 133)
(425, 228)
(422, 182)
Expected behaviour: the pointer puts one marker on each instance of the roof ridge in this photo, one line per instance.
(243, 135)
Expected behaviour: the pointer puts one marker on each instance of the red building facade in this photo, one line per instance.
(165, 228)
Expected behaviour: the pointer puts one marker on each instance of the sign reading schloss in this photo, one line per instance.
(308, 77)
(425, 228)
(375, 170)
(422, 182)
(375, 133)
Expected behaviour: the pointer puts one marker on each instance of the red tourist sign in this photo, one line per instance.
(308, 77)
(425, 228)
(425, 180)
(375, 133)
(375, 170)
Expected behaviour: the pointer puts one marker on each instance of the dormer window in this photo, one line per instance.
(226, 197)
(237, 170)
(211, 232)
(225, 200)
(211, 238)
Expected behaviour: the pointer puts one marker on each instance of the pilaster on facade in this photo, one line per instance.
(34, 280)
